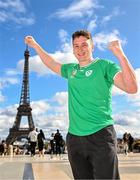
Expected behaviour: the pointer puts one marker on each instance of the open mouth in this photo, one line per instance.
(81, 54)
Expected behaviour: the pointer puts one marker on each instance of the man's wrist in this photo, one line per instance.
(36, 46)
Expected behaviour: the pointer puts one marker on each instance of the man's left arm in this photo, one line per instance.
(126, 79)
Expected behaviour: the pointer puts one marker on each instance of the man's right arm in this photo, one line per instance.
(45, 57)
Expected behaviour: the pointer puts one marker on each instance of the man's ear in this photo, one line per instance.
(92, 45)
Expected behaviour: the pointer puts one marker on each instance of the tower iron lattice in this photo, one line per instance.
(24, 110)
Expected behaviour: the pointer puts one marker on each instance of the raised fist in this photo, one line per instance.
(29, 40)
(114, 44)
(115, 47)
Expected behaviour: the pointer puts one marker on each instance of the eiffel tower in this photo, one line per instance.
(24, 109)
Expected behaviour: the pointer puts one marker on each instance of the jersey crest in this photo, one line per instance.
(88, 73)
(73, 73)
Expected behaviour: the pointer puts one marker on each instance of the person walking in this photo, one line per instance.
(2, 148)
(125, 143)
(58, 140)
(40, 142)
(33, 141)
(91, 139)
(130, 143)
(52, 145)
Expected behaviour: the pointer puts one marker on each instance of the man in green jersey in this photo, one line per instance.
(91, 138)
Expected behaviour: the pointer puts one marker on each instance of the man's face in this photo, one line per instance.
(82, 48)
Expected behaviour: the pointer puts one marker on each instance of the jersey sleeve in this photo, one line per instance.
(111, 70)
(66, 69)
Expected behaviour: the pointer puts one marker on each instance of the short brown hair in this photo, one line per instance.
(84, 33)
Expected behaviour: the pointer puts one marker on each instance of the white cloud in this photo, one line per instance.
(22, 20)
(127, 118)
(117, 91)
(135, 98)
(61, 98)
(40, 107)
(63, 35)
(3, 16)
(2, 98)
(15, 11)
(128, 121)
(92, 25)
(78, 9)
(120, 130)
(64, 57)
(11, 72)
(115, 12)
(48, 115)
(7, 116)
(6, 81)
(15, 5)
(65, 41)
(102, 39)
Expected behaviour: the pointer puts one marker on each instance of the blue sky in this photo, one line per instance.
(52, 23)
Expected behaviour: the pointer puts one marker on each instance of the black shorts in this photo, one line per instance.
(94, 156)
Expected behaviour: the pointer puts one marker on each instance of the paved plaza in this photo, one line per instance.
(25, 167)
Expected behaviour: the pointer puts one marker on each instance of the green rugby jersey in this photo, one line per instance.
(89, 95)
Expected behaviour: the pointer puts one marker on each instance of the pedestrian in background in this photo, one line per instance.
(40, 142)
(33, 141)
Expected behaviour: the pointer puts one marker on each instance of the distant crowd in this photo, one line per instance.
(37, 144)
(55, 145)
(126, 144)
